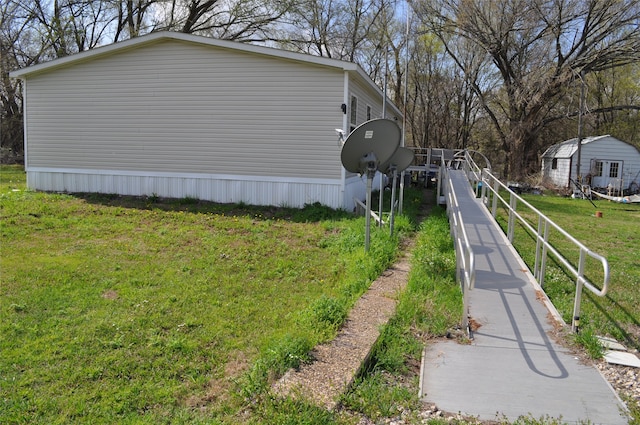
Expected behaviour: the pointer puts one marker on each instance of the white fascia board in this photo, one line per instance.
(157, 36)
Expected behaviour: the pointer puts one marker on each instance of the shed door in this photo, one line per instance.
(605, 172)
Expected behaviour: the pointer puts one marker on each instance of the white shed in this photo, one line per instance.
(605, 162)
(176, 115)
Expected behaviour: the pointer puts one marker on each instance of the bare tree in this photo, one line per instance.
(535, 48)
(20, 45)
(613, 97)
(442, 105)
(132, 17)
(240, 20)
(337, 29)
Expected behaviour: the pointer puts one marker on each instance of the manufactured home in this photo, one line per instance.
(177, 115)
(605, 163)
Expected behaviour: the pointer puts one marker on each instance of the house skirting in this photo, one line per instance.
(253, 190)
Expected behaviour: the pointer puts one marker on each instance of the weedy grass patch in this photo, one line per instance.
(121, 309)
(430, 307)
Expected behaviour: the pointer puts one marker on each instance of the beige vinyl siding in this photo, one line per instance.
(368, 97)
(186, 108)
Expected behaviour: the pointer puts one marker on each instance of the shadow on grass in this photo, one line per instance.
(630, 338)
(414, 207)
(309, 213)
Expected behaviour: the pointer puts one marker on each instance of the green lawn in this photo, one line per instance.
(142, 310)
(126, 310)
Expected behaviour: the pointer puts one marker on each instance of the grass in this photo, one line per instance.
(143, 310)
(430, 307)
(616, 236)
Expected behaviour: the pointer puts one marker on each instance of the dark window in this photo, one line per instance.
(614, 169)
(554, 164)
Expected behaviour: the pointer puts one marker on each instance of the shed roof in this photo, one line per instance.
(567, 148)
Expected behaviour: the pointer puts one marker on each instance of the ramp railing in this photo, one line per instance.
(465, 259)
(493, 191)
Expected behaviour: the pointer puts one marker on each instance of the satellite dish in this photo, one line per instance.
(371, 143)
(400, 160)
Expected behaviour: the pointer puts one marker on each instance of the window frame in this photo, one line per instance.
(353, 112)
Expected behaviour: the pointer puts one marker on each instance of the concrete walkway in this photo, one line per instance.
(512, 367)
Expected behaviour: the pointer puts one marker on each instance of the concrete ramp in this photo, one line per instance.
(512, 367)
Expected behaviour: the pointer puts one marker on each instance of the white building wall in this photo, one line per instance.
(602, 148)
(560, 175)
(609, 149)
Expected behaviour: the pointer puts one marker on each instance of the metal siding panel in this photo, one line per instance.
(187, 108)
(210, 188)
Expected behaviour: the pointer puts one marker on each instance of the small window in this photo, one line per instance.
(353, 113)
(598, 170)
(554, 164)
(368, 112)
(614, 170)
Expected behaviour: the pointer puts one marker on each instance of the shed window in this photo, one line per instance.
(368, 112)
(554, 164)
(614, 170)
(353, 117)
(598, 169)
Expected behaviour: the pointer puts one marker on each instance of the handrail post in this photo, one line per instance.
(494, 206)
(536, 267)
(511, 225)
(575, 321)
(483, 193)
(543, 265)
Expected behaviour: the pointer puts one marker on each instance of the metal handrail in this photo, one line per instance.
(493, 185)
(465, 258)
